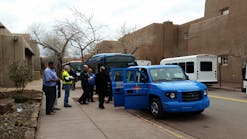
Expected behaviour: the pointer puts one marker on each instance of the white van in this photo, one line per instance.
(143, 62)
(201, 67)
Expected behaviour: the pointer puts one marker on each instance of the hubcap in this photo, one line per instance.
(154, 108)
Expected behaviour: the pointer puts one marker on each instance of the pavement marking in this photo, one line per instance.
(160, 127)
(229, 99)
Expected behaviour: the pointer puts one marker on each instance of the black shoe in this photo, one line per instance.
(57, 109)
(49, 113)
(67, 105)
(92, 101)
(79, 101)
(101, 107)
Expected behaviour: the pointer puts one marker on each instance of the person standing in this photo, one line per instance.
(67, 83)
(85, 78)
(73, 74)
(50, 80)
(91, 84)
(101, 82)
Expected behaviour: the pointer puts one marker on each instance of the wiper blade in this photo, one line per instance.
(178, 79)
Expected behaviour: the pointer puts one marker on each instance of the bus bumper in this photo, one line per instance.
(186, 106)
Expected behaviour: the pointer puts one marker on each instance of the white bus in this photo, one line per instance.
(143, 62)
(201, 68)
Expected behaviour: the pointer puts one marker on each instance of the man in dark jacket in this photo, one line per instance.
(101, 81)
(85, 78)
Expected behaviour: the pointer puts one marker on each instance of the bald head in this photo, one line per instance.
(85, 68)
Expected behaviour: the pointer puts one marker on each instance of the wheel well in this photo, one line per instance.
(151, 96)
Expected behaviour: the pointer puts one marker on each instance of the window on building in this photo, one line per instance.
(206, 66)
(189, 67)
(225, 11)
(224, 60)
(186, 35)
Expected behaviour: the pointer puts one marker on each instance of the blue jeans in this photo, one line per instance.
(66, 95)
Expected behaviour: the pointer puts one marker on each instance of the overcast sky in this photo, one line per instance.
(18, 15)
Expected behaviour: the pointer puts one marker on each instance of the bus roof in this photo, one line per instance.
(110, 54)
(189, 57)
(155, 66)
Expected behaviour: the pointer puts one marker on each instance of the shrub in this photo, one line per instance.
(20, 73)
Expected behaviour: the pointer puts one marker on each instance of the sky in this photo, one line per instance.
(19, 15)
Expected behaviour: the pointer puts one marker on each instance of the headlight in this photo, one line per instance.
(205, 92)
(171, 95)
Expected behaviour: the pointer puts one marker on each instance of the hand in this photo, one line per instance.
(71, 77)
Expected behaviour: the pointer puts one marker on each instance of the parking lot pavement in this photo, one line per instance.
(87, 121)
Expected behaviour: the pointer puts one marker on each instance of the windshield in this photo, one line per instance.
(76, 66)
(167, 74)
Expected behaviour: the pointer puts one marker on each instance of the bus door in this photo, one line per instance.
(135, 90)
(208, 71)
(117, 86)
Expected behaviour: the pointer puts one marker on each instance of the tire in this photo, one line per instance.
(199, 112)
(155, 108)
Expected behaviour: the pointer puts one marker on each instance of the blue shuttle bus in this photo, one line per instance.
(111, 60)
(159, 88)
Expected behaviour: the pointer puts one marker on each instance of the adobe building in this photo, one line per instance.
(17, 47)
(222, 31)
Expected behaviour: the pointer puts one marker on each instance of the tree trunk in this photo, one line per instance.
(82, 56)
(59, 67)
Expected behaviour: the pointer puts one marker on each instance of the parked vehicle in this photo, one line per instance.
(244, 75)
(143, 62)
(111, 60)
(201, 68)
(159, 88)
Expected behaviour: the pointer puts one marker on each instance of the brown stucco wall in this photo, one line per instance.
(17, 50)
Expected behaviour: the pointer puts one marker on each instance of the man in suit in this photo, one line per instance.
(85, 78)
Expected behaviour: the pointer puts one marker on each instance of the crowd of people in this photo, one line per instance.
(89, 80)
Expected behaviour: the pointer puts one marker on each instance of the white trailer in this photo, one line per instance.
(143, 62)
(201, 67)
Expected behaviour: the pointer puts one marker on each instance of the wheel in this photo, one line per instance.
(156, 108)
(199, 112)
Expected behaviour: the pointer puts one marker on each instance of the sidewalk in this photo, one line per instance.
(89, 122)
(227, 86)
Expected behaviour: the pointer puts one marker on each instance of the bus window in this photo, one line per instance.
(189, 67)
(118, 77)
(206, 66)
(130, 77)
(174, 63)
(182, 65)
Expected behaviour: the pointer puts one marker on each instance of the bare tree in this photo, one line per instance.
(78, 32)
(88, 37)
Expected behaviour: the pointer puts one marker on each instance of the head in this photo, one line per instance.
(51, 65)
(90, 70)
(67, 68)
(102, 69)
(85, 68)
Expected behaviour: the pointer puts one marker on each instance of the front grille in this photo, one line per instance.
(191, 96)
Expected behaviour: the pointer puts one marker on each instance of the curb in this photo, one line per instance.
(228, 89)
